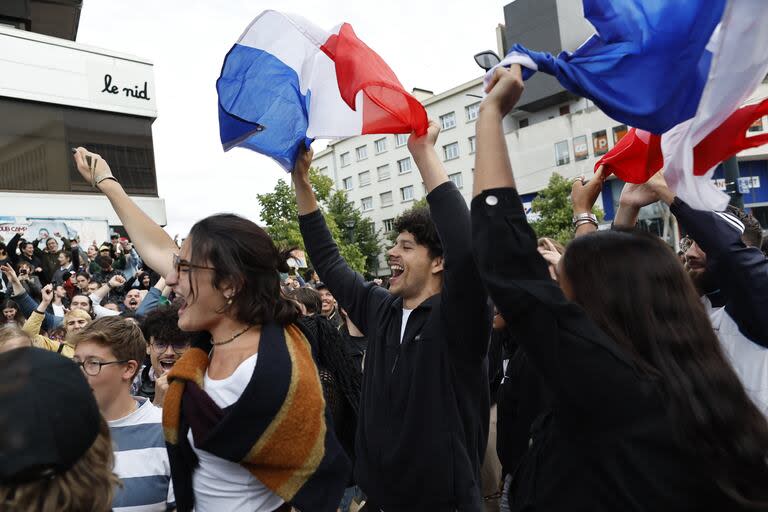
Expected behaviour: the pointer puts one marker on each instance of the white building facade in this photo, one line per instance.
(381, 179)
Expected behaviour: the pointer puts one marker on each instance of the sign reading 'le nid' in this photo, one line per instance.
(130, 92)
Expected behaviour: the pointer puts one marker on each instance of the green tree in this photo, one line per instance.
(356, 229)
(555, 212)
(280, 214)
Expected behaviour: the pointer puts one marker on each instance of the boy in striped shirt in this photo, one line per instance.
(110, 351)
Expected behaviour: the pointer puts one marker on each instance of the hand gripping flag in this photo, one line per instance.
(287, 81)
(678, 69)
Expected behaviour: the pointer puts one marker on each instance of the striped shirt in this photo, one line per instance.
(141, 461)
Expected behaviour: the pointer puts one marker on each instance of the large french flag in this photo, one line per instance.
(674, 69)
(286, 82)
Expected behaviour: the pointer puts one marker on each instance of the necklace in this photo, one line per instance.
(233, 338)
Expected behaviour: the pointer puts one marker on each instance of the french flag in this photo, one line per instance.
(676, 70)
(286, 82)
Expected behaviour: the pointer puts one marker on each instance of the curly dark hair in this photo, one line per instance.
(753, 233)
(418, 222)
(162, 323)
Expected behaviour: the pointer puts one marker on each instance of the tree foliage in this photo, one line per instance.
(555, 212)
(280, 214)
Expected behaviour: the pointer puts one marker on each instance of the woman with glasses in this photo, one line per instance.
(249, 436)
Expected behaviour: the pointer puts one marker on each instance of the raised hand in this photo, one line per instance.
(418, 143)
(9, 273)
(301, 170)
(47, 294)
(584, 193)
(91, 166)
(637, 195)
(116, 281)
(504, 90)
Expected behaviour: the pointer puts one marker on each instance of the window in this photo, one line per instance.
(35, 148)
(366, 204)
(457, 179)
(448, 121)
(362, 153)
(580, 148)
(562, 153)
(344, 157)
(380, 145)
(406, 193)
(383, 172)
(757, 126)
(619, 132)
(404, 165)
(364, 178)
(451, 151)
(386, 198)
(600, 143)
(472, 148)
(401, 139)
(347, 183)
(565, 110)
(522, 123)
(389, 225)
(323, 171)
(472, 111)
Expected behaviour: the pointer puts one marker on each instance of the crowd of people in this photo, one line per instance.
(492, 371)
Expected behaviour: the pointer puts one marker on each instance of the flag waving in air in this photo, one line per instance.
(678, 69)
(287, 81)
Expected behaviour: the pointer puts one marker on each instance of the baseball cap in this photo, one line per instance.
(48, 415)
(105, 247)
(321, 286)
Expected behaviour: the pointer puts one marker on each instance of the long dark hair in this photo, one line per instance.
(18, 317)
(244, 255)
(633, 286)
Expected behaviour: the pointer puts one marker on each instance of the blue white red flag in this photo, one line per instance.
(287, 81)
(675, 68)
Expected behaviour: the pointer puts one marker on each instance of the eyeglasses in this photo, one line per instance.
(183, 265)
(92, 367)
(178, 347)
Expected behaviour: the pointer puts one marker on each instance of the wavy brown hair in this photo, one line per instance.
(245, 257)
(633, 287)
(88, 486)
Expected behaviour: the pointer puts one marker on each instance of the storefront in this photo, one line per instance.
(55, 95)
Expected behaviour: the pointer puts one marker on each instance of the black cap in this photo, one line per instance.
(48, 415)
(321, 286)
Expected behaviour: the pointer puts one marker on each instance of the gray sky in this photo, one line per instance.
(428, 43)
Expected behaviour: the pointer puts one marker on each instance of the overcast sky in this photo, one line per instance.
(428, 43)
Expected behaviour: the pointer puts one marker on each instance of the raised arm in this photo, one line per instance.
(463, 301)
(493, 168)
(348, 287)
(585, 371)
(27, 304)
(151, 241)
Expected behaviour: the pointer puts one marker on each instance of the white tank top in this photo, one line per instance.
(220, 484)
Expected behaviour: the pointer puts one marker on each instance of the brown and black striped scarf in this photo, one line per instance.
(278, 429)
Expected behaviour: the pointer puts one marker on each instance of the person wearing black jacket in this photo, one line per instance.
(647, 413)
(424, 413)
